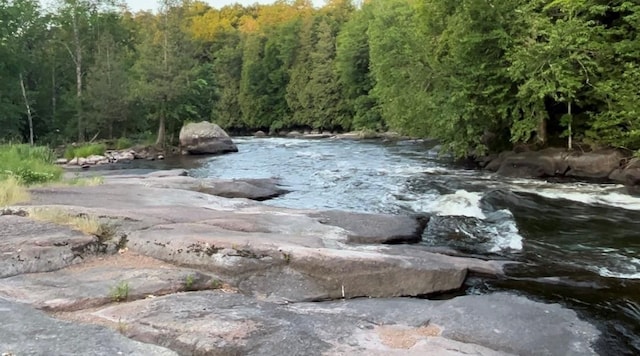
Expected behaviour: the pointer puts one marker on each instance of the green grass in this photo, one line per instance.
(145, 138)
(28, 165)
(84, 182)
(189, 282)
(85, 150)
(123, 143)
(120, 292)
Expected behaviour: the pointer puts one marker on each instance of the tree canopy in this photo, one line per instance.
(479, 76)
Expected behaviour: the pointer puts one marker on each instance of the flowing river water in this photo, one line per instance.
(577, 244)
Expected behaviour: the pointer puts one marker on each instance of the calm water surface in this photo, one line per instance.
(578, 243)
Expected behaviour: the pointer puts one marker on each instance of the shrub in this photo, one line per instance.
(120, 292)
(29, 165)
(123, 143)
(146, 138)
(85, 150)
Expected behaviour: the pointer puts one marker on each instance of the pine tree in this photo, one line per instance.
(352, 64)
(326, 108)
(107, 88)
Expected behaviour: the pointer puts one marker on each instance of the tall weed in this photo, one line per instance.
(85, 150)
(27, 164)
(12, 192)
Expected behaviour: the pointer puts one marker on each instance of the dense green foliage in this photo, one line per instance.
(477, 75)
(28, 164)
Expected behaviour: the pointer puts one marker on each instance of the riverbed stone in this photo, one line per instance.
(26, 331)
(218, 322)
(205, 138)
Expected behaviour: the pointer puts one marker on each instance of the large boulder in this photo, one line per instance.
(632, 172)
(599, 164)
(205, 138)
(628, 175)
(557, 162)
(545, 163)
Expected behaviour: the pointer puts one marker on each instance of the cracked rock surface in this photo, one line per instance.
(187, 272)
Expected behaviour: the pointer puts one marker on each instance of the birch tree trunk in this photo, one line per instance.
(570, 143)
(78, 62)
(25, 97)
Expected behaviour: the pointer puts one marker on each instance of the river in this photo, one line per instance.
(577, 244)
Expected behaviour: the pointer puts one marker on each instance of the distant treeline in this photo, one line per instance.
(478, 75)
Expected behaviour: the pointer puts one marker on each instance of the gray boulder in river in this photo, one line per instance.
(205, 138)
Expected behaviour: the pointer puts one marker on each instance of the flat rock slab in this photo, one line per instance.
(500, 321)
(131, 197)
(254, 189)
(26, 331)
(376, 228)
(221, 323)
(28, 246)
(252, 245)
(295, 267)
(102, 281)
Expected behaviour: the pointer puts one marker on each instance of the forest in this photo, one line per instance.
(478, 75)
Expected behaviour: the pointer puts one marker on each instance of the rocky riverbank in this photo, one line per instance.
(608, 165)
(175, 268)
